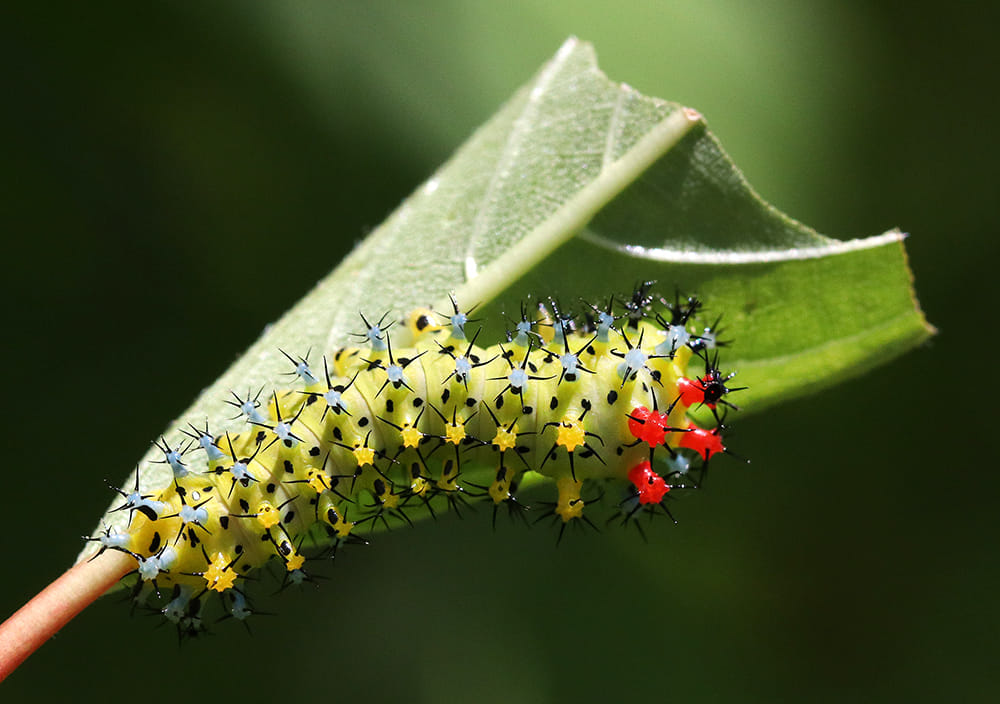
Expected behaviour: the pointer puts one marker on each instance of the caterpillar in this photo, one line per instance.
(410, 419)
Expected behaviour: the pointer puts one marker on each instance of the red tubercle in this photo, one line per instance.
(650, 485)
(705, 442)
(648, 426)
(692, 392)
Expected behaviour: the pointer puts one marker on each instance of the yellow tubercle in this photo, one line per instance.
(294, 561)
(334, 517)
(343, 528)
(505, 439)
(500, 488)
(419, 486)
(364, 455)
(499, 491)
(411, 436)
(454, 433)
(570, 434)
(267, 515)
(220, 575)
(386, 496)
(317, 480)
(569, 504)
(420, 322)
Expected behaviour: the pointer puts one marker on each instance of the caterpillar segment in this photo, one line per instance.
(366, 435)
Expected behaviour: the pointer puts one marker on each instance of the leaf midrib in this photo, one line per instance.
(577, 211)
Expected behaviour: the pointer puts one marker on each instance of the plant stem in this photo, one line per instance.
(53, 607)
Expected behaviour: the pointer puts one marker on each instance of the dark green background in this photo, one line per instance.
(177, 176)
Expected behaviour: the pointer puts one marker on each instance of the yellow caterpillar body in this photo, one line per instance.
(375, 432)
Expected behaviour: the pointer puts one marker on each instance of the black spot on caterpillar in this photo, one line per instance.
(408, 422)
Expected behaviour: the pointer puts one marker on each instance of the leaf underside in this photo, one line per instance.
(580, 187)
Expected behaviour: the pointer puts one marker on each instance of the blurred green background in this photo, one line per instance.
(175, 176)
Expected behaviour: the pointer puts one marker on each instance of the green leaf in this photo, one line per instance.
(580, 186)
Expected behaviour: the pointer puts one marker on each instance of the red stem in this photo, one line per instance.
(53, 607)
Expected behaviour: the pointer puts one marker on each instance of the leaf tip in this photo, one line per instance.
(693, 116)
(928, 329)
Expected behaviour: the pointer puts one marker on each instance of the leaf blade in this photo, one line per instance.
(654, 196)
